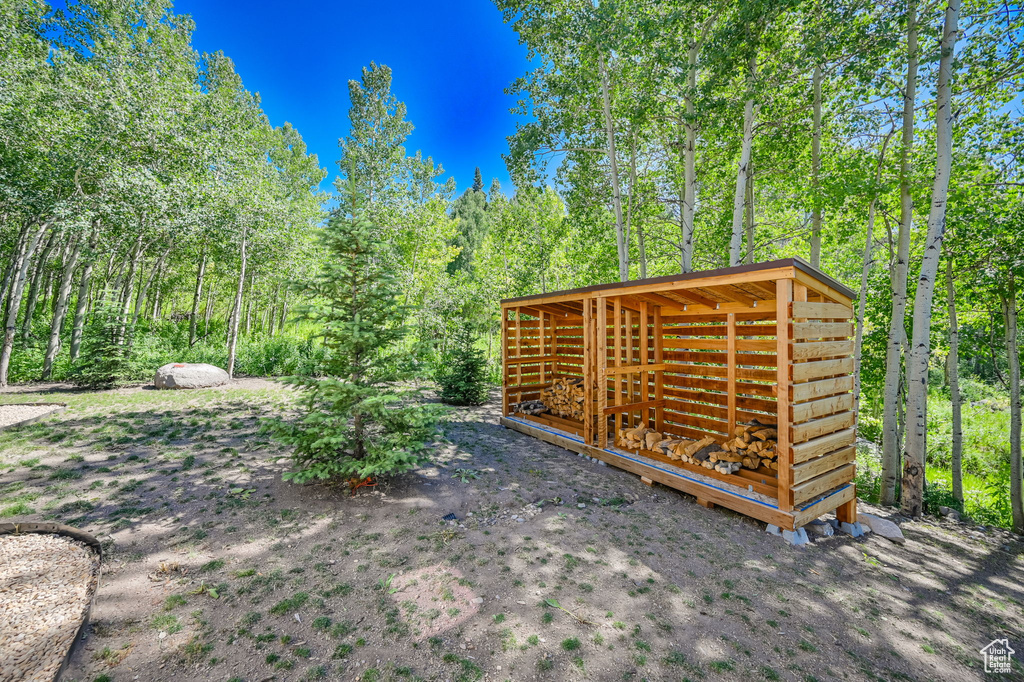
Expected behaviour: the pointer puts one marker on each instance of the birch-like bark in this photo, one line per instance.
(920, 347)
(126, 294)
(865, 271)
(35, 287)
(284, 311)
(14, 264)
(14, 300)
(953, 371)
(1008, 299)
(641, 247)
(144, 289)
(248, 304)
(236, 312)
(61, 309)
(208, 312)
(158, 290)
(690, 159)
(193, 319)
(609, 127)
(749, 217)
(816, 170)
(272, 317)
(82, 304)
(891, 442)
(749, 111)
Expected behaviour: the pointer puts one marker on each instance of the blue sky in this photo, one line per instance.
(451, 62)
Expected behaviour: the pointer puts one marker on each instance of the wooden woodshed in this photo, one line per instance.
(732, 385)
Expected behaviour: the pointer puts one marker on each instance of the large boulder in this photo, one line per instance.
(884, 527)
(189, 375)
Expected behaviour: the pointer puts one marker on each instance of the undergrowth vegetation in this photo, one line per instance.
(986, 454)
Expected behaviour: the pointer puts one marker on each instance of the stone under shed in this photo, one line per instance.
(732, 385)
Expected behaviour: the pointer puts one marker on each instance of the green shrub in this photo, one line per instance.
(462, 374)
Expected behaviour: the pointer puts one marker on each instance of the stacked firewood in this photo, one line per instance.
(530, 407)
(565, 397)
(753, 446)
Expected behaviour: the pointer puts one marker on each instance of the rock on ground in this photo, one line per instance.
(884, 527)
(189, 375)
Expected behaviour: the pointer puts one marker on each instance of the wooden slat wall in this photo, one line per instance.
(699, 385)
(822, 414)
(705, 377)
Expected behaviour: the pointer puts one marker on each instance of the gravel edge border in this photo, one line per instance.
(58, 407)
(75, 534)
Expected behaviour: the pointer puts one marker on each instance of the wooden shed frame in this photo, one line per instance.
(693, 355)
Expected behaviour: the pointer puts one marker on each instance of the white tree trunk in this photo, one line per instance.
(953, 370)
(126, 295)
(690, 160)
(14, 300)
(193, 321)
(284, 312)
(749, 111)
(36, 285)
(12, 265)
(609, 127)
(749, 216)
(248, 304)
(144, 289)
(82, 303)
(1008, 299)
(920, 347)
(816, 170)
(61, 309)
(865, 271)
(640, 245)
(236, 312)
(891, 444)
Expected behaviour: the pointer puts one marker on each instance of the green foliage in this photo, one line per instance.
(107, 357)
(471, 212)
(462, 374)
(355, 422)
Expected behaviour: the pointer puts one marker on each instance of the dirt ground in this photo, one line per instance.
(555, 569)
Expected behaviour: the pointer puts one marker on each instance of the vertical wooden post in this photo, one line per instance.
(645, 355)
(505, 369)
(730, 372)
(542, 342)
(659, 376)
(555, 370)
(519, 353)
(847, 512)
(617, 349)
(783, 301)
(588, 371)
(628, 376)
(602, 371)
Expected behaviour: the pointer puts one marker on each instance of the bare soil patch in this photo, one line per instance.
(555, 569)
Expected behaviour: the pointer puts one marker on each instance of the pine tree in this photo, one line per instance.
(471, 211)
(355, 423)
(462, 375)
(478, 181)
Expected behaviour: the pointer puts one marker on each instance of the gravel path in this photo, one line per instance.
(46, 583)
(13, 414)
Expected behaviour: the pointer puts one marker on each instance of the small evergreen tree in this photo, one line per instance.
(478, 181)
(355, 423)
(106, 359)
(462, 375)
